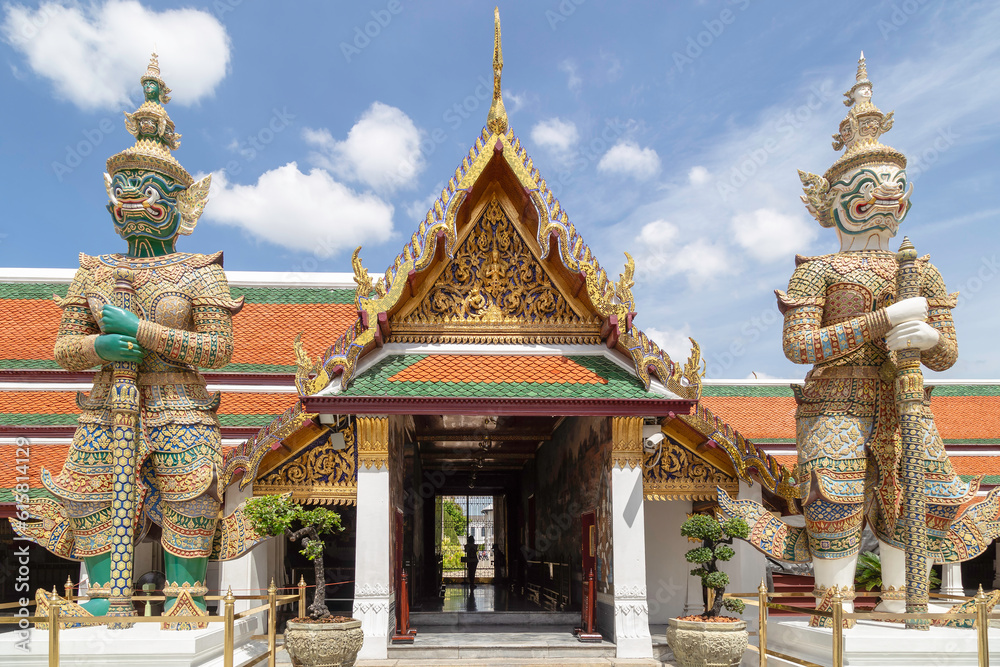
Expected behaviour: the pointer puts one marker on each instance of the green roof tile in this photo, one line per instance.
(620, 383)
(32, 290)
(293, 294)
(7, 495)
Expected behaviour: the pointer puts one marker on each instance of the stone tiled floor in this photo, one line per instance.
(484, 597)
(507, 662)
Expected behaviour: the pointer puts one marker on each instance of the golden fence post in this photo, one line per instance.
(302, 596)
(272, 621)
(838, 629)
(982, 628)
(229, 604)
(54, 630)
(762, 623)
(68, 586)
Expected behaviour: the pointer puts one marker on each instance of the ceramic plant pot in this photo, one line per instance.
(699, 644)
(323, 644)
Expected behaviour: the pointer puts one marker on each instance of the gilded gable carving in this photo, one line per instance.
(321, 474)
(674, 473)
(494, 290)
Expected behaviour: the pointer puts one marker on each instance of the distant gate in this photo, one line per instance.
(458, 517)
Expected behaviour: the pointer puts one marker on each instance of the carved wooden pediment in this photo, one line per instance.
(675, 473)
(319, 474)
(495, 290)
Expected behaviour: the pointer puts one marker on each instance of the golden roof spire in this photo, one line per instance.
(496, 121)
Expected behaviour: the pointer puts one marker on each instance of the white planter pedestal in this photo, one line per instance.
(144, 644)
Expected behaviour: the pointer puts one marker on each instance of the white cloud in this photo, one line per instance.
(94, 54)
(557, 135)
(698, 176)
(626, 158)
(514, 102)
(305, 212)
(769, 235)
(382, 150)
(417, 209)
(573, 80)
(675, 342)
(662, 251)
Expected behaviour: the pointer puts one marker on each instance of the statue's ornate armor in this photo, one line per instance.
(847, 425)
(186, 309)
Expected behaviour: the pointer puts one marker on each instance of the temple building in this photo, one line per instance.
(496, 357)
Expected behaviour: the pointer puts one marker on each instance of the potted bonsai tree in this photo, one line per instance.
(321, 639)
(710, 639)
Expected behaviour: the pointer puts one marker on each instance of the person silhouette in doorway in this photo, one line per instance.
(471, 559)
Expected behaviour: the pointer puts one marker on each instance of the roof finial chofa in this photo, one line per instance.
(496, 121)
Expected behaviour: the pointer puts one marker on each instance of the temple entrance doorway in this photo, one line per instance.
(526, 489)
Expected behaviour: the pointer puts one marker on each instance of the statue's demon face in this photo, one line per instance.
(871, 199)
(144, 204)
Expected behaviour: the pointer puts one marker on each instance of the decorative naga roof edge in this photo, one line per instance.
(746, 456)
(613, 300)
(246, 458)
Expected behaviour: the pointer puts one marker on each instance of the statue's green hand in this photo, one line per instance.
(118, 321)
(115, 347)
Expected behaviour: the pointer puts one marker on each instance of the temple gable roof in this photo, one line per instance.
(496, 260)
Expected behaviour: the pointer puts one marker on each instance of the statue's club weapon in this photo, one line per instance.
(124, 498)
(909, 401)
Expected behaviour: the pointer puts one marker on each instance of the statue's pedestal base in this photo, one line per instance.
(873, 644)
(143, 644)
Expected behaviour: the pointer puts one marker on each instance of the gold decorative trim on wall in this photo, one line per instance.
(373, 442)
(626, 442)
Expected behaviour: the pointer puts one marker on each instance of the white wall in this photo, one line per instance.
(667, 572)
(748, 566)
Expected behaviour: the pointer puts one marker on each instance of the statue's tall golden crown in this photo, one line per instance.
(153, 131)
(861, 129)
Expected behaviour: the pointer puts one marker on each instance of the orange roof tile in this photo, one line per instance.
(29, 328)
(263, 333)
(50, 457)
(975, 465)
(64, 402)
(756, 416)
(787, 460)
(494, 369)
(967, 417)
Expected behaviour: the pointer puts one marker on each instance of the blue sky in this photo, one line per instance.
(669, 130)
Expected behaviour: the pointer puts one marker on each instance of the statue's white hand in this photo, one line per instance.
(907, 310)
(919, 335)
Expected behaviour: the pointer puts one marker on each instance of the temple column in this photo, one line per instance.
(951, 579)
(373, 603)
(628, 540)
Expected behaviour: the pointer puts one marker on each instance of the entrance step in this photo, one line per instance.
(507, 641)
(435, 621)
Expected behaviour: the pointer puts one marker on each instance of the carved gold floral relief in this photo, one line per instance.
(493, 280)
